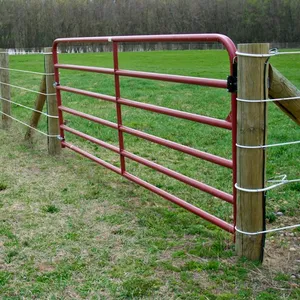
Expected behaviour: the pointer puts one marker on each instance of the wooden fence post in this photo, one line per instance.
(5, 89)
(39, 104)
(251, 131)
(53, 125)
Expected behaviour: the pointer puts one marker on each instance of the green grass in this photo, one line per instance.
(70, 229)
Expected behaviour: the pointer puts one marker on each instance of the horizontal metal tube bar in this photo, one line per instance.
(218, 83)
(85, 68)
(151, 107)
(197, 211)
(207, 37)
(177, 113)
(185, 149)
(92, 157)
(185, 179)
(201, 213)
(91, 139)
(166, 171)
(88, 117)
(86, 93)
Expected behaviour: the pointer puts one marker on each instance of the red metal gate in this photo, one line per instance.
(116, 72)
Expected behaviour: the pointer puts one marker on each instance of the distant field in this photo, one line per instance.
(91, 234)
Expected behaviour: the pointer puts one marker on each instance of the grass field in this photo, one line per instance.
(73, 230)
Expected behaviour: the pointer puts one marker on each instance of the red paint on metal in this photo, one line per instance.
(92, 157)
(91, 139)
(118, 105)
(209, 37)
(58, 94)
(178, 114)
(88, 117)
(231, 49)
(175, 78)
(153, 108)
(167, 143)
(234, 152)
(218, 83)
(86, 93)
(85, 69)
(197, 211)
(185, 149)
(185, 179)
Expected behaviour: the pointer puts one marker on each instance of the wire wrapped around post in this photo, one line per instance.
(54, 146)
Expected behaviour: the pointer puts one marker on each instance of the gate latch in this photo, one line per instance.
(232, 84)
(232, 79)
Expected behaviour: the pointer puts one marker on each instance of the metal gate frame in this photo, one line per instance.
(119, 101)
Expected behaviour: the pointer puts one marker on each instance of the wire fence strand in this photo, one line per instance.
(267, 231)
(27, 125)
(26, 71)
(25, 89)
(29, 108)
(267, 100)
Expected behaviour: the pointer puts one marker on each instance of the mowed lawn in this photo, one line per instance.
(71, 229)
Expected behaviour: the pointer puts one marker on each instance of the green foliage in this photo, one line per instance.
(10, 255)
(271, 217)
(4, 278)
(139, 287)
(3, 186)
(282, 277)
(52, 209)
(29, 24)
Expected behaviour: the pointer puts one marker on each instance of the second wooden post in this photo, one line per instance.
(5, 88)
(251, 131)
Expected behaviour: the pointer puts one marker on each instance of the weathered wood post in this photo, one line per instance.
(251, 131)
(53, 125)
(281, 87)
(39, 104)
(5, 88)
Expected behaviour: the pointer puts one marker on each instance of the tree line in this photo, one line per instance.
(36, 23)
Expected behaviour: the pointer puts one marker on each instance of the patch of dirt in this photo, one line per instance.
(281, 266)
(282, 250)
(71, 294)
(34, 170)
(18, 206)
(44, 267)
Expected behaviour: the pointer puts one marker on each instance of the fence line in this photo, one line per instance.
(267, 231)
(251, 225)
(31, 127)
(25, 89)
(26, 71)
(45, 93)
(247, 229)
(29, 108)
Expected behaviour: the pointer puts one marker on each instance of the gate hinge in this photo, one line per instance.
(232, 79)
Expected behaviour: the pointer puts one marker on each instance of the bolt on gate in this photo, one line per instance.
(229, 124)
